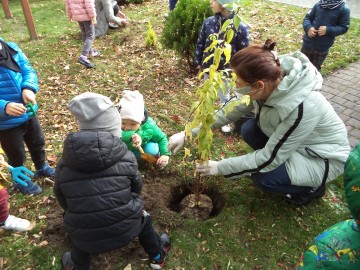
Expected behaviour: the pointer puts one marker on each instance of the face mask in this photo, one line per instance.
(243, 90)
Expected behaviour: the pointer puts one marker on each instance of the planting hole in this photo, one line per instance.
(210, 203)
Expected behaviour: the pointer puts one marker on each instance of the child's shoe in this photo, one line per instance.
(45, 171)
(67, 262)
(85, 61)
(226, 129)
(165, 247)
(16, 224)
(31, 189)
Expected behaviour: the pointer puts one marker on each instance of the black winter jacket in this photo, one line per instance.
(97, 183)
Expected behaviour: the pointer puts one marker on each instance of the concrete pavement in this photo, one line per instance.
(342, 89)
(354, 5)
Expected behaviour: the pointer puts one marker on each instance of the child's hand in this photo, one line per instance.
(93, 21)
(136, 140)
(322, 31)
(15, 109)
(28, 96)
(163, 161)
(312, 32)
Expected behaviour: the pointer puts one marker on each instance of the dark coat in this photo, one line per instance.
(337, 22)
(97, 183)
(212, 25)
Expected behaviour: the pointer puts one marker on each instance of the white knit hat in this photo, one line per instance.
(131, 106)
(96, 112)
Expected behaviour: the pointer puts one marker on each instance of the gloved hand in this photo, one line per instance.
(21, 175)
(176, 142)
(208, 168)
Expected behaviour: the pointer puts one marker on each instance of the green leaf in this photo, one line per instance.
(187, 152)
(229, 36)
(227, 52)
(217, 56)
(208, 58)
(211, 46)
(237, 21)
(225, 25)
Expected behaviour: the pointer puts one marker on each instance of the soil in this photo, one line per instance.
(168, 206)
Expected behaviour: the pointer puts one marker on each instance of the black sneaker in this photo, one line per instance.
(305, 198)
(165, 246)
(85, 61)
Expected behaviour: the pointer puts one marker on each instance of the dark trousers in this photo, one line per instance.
(116, 10)
(148, 238)
(276, 180)
(317, 58)
(172, 4)
(12, 141)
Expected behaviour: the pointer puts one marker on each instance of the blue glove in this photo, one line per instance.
(21, 175)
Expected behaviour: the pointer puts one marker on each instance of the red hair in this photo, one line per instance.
(257, 62)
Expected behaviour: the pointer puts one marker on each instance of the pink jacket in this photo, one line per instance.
(80, 10)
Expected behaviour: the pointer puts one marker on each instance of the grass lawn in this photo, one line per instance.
(255, 230)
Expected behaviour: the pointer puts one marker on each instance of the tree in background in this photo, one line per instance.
(183, 25)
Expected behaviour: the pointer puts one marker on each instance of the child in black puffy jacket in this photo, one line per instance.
(98, 185)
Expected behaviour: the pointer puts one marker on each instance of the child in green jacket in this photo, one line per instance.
(140, 130)
(338, 247)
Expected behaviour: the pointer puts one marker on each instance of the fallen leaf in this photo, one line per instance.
(176, 118)
(43, 243)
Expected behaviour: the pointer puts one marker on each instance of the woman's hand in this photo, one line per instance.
(163, 161)
(15, 109)
(136, 140)
(176, 142)
(208, 168)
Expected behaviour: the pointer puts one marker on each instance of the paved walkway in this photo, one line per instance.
(354, 5)
(342, 89)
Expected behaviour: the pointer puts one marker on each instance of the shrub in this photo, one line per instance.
(150, 37)
(183, 26)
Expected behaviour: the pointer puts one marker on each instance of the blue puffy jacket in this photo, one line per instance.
(337, 22)
(11, 85)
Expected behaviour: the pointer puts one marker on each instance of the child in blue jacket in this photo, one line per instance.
(18, 88)
(212, 25)
(326, 20)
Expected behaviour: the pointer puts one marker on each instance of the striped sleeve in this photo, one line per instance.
(287, 138)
